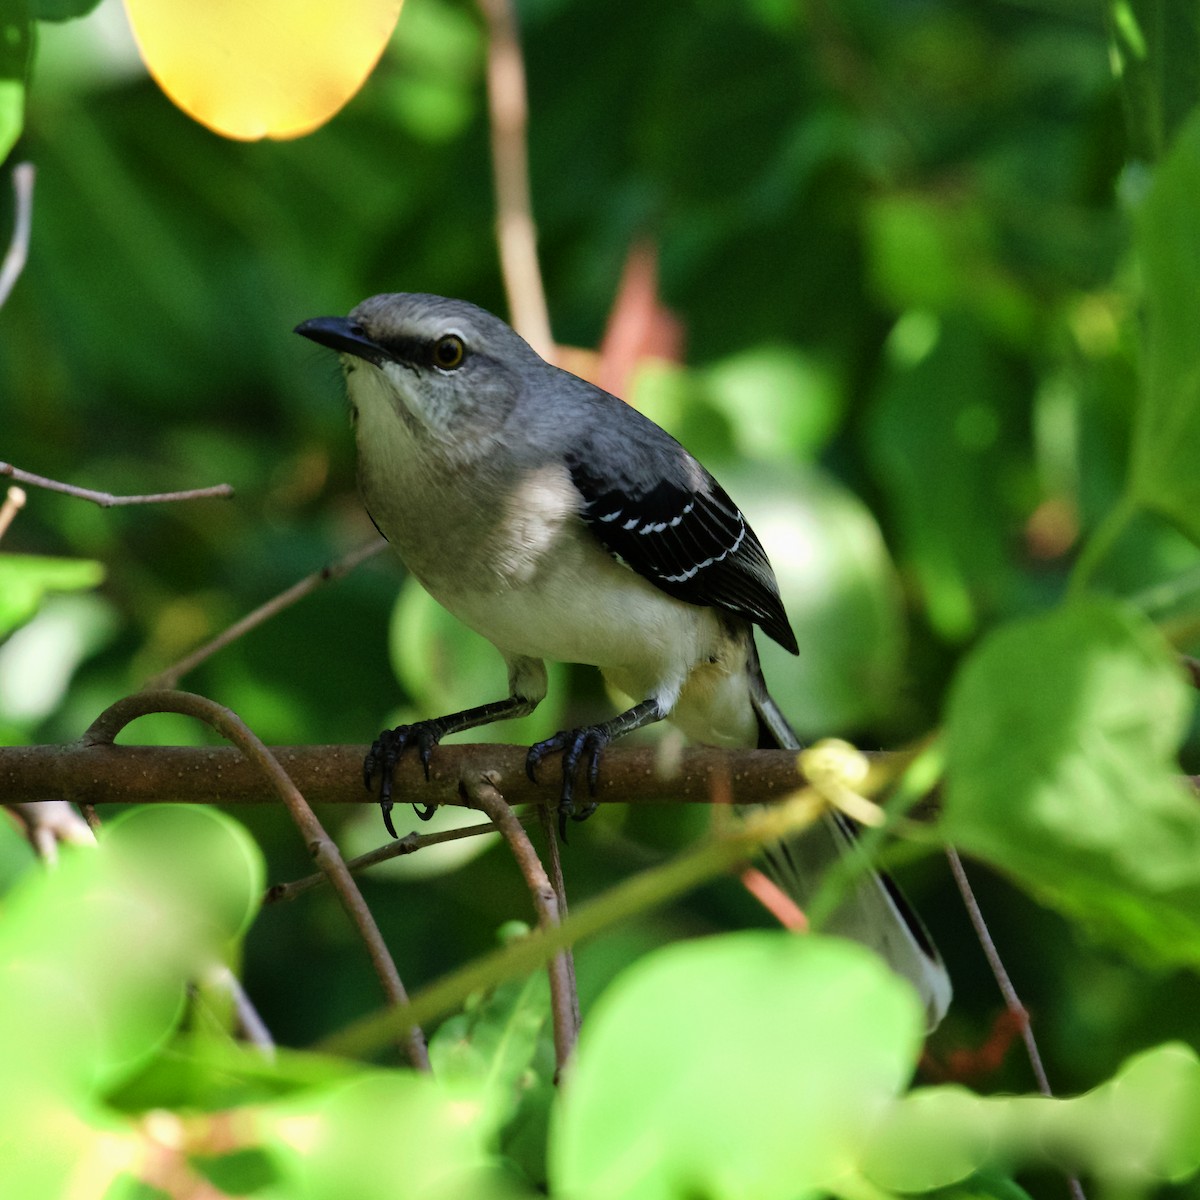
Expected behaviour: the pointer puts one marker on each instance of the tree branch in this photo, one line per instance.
(86, 772)
(480, 791)
(219, 491)
(516, 233)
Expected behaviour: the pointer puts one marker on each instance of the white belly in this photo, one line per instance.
(530, 577)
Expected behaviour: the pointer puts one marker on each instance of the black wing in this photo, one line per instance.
(693, 543)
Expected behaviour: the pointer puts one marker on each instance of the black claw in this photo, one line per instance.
(385, 807)
(539, 750)
(425, 745)
(385, 753)
(575, 744)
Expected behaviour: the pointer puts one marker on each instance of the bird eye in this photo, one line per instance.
(448, 352)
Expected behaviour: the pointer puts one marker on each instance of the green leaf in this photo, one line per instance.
(1061, 738)
(1139, 1129)
(939, 254)
(1167, 431)
(501, 1048)
(97, 956)
(841, 593)
(1155, 51)
(361, 1137)
(942, 437)
(781, 404)
(492, 1044)
(26, 578)
(62, 10)
(16, 45)
(748, 1065)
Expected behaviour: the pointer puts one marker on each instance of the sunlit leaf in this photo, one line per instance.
(1061, 738)
(1140, 1128)
(782, 405)
(840, 591)
(659, 1101)
(26, 578)
(97, 956)
(362, 1137)
(272, 68)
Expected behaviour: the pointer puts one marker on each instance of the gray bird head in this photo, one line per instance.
(448, 369)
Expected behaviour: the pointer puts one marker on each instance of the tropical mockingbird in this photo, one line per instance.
(561, 524)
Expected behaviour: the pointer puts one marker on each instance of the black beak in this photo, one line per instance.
(343, 335)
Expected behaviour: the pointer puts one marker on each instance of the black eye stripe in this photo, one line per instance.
(421, 353)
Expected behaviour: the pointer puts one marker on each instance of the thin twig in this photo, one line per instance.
(14, 501)
(516, 234)
(250, 1021)
(18, 246)
(172, 675)
(550, 832)
(220, 491)
(409, 844)
(1012, 1002)
(481, 792)
(322, 847)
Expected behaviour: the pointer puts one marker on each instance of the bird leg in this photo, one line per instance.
(390, 745)
(587, 742)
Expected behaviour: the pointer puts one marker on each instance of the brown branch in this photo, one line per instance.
(479, 790)
(516, 234)
(18, 246)
(218, 491)
(85, 772)
(327, 574)
(545, 816)
(1003, 981)
(100, 734)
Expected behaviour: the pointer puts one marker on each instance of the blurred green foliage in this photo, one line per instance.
(937, 266)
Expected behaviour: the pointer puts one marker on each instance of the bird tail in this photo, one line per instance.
(874, 911)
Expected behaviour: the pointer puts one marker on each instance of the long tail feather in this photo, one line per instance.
(874, 910)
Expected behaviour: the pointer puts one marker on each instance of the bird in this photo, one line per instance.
(562, 524)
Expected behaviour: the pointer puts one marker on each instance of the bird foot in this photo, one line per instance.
(576, 745)
(387, 750)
